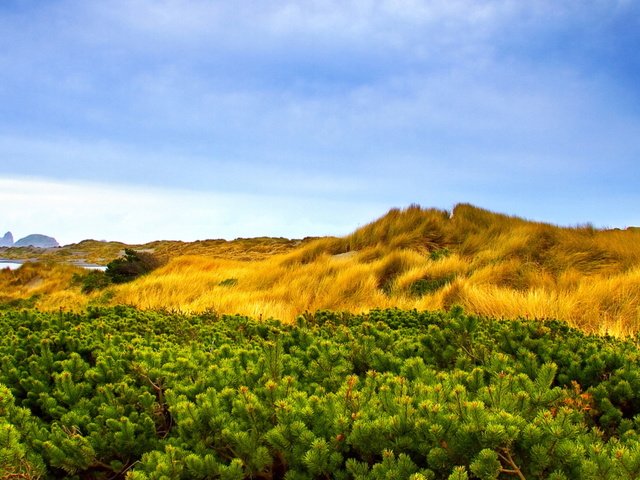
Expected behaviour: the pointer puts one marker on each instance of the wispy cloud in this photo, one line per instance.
(388, 102)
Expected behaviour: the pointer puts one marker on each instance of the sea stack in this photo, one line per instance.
(7, 240)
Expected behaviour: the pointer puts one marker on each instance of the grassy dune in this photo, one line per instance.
(490, 264)
(40, 284)
(101, 253)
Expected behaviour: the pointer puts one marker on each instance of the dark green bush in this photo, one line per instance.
(392, 394)
(19, 303)
(91, 281)
(132, 265)
(440, 253)
(429, 285)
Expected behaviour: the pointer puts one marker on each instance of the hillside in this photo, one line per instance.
(101, 253)
(36, 240)
(490, 264)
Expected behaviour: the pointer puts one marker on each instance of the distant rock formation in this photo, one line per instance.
(7, 240)
(37, 240)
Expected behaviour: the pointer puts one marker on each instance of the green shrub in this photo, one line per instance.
(440, 253)
(91, 281)
(131, 266)
(19, 303)
(429, 285)
(392, 394)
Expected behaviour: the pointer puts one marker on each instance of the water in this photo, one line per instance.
(90, 266)
(14, 265)
(9, 265)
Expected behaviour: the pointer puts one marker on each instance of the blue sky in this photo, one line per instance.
(145, 119)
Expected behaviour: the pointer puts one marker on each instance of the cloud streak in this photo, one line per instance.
(386, 102)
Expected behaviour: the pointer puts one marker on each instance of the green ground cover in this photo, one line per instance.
(122, 393)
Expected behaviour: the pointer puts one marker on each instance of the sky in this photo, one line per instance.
(138, 120)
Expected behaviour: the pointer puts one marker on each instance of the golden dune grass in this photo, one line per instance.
(491, 264)
(101, 253)
(34, 280)
(500, 266)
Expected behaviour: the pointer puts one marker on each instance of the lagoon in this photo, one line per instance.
(9, 265)
(13, 265)
(91, 266)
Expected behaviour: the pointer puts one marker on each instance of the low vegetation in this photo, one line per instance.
(131, 265)
(124, 393)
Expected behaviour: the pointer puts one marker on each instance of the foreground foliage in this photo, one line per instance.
(115, 393)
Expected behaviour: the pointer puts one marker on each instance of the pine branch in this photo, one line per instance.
(124, 470)
(515, 470)
(167, 418)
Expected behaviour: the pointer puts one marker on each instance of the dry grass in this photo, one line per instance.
(38, 282)
(101, 253)
(490, 264)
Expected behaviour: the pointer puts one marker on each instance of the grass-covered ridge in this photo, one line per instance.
(491, 264)
(102, 252)
(115, 393)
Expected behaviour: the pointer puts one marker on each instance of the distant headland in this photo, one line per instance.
(33, 240)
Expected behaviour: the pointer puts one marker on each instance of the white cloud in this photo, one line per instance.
(263, 25)
(73, 211)
(297, 102)
(80, 160)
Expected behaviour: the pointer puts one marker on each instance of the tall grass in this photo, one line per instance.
(491, 264)
(33, 284)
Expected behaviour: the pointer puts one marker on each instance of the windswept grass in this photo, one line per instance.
(491, 264)
(37, 283)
